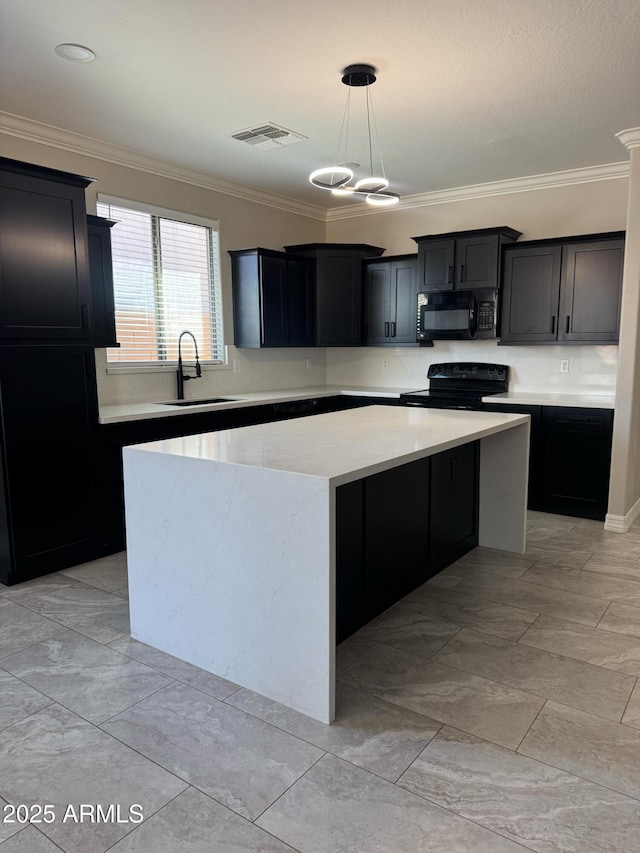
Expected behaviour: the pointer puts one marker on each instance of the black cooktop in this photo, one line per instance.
(459, 385)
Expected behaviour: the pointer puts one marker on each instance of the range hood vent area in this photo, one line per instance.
(267, 136)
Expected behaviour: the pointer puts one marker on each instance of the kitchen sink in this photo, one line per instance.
(198, 402)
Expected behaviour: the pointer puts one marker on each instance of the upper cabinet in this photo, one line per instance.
(103, 312)
(273, 303)
(338, 295)
(44, 267)
(563, 291)
(462, 260)
(390, 300)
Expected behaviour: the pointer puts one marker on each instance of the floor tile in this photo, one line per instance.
(545, 809)
(464, 609)
(596, 749)
(87, 610)
(584, 583)
(632, 713)
(242, 762)
(18, 700)
(612, 566)
(488, 560)
(122, 591)
(108, 573)
(621, 618)
(570, 682)
(554, 552)
(20, 628)
(477, 705)
(549, 519)
(56, 757)
(175, 668)
(599, 542)
(29, 841)
(407, 628)
(338, 807)
(369, 732)
(444, 581)
(532, 596)
(7, 829)
(196, 823)
(592, 645)
(84, 676)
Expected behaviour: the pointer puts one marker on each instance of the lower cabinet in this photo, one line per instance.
(396, 529)
(569, 458)
(50, 512)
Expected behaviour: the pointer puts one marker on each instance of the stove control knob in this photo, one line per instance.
(492, 370)
(501, 371)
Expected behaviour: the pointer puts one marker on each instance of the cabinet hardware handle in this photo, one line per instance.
(386, 329)
(393, 329)
(461, 272)
(84, 316)
(567, 324)
(553, 325)
(450, 275)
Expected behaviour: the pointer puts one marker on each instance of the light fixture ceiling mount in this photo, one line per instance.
(337, 178)
(75, 52)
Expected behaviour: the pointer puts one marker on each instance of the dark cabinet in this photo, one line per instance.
(467, 260)
(103, 311)
(390, 301)
(563, 291)
(273, 303)
(44, 268)
(576, 453)
(50, 513)
(454, 500)
(338, 295)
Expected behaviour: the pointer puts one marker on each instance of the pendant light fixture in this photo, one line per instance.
(372, 188)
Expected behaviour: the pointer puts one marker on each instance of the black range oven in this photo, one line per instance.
(459, 385)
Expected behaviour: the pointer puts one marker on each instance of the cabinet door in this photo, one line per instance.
(396, 533)
(273, 297)
(592, 290)
(531, 294)
(436, 265)
(536, 461)
(454, 500)
(49, 410)
(44, 270)
(576, 461)
(103, 312)
(404, 311)
(300, 303)
(477, 262)
(377, 303)
(339, 298)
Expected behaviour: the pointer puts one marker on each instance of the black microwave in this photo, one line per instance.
(457, 314)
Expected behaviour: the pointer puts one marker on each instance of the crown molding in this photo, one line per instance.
(585, 175)
(66, 140)
(630, 138)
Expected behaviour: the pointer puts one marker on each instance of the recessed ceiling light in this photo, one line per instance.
(75, 52)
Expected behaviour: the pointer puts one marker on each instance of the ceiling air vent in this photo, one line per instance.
(267, 136)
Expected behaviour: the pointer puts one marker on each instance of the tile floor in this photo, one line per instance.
(494, 709)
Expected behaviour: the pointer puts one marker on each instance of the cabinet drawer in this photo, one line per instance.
(583, 420)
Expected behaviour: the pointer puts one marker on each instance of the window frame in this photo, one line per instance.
(213, 225)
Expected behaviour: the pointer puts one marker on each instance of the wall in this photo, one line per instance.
(243, 224)
(586, 208)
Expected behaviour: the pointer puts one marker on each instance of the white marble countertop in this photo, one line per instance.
(340, 446)
(553, 398)
(119, 413)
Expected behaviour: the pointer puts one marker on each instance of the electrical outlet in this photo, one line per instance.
(385, 363)
(237, 365)
(564, 365)
(309, 364)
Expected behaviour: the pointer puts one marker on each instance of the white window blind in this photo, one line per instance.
(166, 279)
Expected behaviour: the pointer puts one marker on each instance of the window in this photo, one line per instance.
(166, 279)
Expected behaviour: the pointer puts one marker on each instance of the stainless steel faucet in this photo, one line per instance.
(183, 377)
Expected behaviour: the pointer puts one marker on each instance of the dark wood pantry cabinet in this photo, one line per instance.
(338, 294)
(566, 290)
(465, 260)
(390, 301)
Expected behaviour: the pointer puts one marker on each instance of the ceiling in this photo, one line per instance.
(468, 91)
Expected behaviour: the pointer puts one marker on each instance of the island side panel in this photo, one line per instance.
(232, 568)
(504, 477)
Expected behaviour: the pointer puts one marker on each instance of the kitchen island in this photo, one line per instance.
(231, 536)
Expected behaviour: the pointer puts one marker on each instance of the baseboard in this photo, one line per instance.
(622, 523)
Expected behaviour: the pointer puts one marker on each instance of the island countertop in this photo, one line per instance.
(340, 446)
